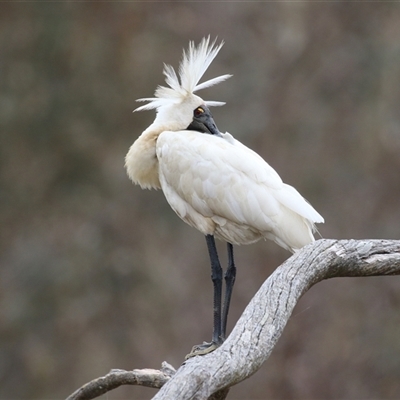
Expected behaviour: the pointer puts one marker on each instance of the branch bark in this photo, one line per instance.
(117, 377)
(261, 324)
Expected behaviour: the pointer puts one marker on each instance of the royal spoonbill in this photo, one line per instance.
(212, 181)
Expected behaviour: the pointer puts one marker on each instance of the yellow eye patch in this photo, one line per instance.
(198, 111)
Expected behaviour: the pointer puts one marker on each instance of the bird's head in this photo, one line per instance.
(177, 106)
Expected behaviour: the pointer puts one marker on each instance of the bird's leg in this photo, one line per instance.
(230, 276)
(216, 276)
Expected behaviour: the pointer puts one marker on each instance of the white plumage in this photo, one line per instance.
(222, 188)
(212, 181)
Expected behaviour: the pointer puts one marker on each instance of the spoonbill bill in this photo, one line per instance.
(211, 180)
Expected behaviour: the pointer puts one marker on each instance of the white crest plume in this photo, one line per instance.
(191, 69)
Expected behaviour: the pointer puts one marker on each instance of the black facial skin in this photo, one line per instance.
(203, 122)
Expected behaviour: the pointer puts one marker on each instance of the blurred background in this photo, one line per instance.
(96, 273)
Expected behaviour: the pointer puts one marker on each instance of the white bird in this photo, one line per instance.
(212, 181)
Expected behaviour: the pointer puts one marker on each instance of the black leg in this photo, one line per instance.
(216, 276)
(230, 276)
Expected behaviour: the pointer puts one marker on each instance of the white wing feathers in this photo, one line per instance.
(221, 187)
(289, 197)
(191, 69)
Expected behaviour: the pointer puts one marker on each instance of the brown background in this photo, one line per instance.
(97, 274)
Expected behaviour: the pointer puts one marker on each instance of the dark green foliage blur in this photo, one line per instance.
(96, 273)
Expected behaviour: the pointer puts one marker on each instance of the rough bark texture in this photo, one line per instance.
(264, 319)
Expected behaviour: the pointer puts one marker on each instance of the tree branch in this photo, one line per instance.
(144, 377)
(261, 324)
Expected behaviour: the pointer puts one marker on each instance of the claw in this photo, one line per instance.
(202, 349)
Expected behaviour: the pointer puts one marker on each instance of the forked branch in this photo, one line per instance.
(264, 319)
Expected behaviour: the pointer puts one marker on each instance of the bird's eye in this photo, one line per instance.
(198, 111)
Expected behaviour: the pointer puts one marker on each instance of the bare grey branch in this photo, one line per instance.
(261, 324)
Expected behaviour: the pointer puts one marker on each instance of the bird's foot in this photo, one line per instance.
(203, 349)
